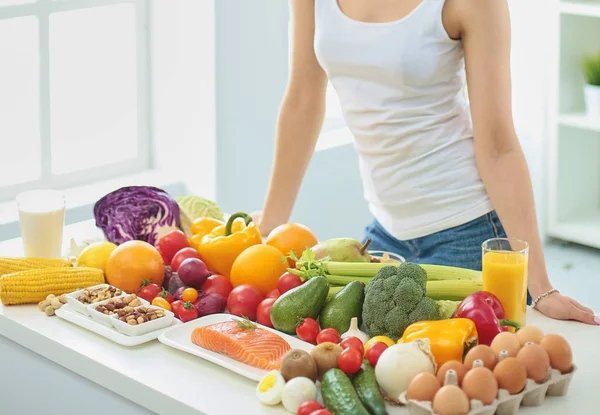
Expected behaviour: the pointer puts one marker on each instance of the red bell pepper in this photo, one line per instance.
(486, 311)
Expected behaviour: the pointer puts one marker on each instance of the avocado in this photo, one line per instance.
(307, 300)
(346, 304)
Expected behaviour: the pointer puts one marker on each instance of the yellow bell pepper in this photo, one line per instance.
(224, 243)
(204, 226)
(448, 339)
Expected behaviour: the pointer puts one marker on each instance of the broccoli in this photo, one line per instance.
(395, 298)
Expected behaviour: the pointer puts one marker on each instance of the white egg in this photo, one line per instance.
(296, 392)
(270, 388)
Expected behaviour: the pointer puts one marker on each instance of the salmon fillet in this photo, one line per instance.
(256, 347)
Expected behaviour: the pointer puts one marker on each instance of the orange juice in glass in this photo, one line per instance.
(504, 274)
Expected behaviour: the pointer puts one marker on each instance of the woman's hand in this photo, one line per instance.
(263, 225)
(561, 307)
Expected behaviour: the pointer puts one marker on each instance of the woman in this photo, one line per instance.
(441, 175)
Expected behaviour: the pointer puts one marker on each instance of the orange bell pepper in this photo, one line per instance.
(223, 244)
(448, 339)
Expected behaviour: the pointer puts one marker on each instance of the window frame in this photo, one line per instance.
(42, 9)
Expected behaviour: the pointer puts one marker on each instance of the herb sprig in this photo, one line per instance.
(307, 266)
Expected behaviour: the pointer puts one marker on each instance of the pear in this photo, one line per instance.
(343, 250)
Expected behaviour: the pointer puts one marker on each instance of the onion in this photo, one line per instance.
(193, 272)
(400, 363)
(211, 303)
(175, 283)
(179, 293)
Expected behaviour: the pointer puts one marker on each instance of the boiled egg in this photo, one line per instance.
(270, 389)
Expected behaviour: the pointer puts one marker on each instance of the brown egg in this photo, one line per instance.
(559, 352)
(423, 387)
(455, 365)
(511, 375)
(481, 352)
(506, 341)
(480, 384)
(450, 400)
(536, 361)
(529, 334)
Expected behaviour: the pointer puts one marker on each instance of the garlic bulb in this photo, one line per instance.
(355, 331)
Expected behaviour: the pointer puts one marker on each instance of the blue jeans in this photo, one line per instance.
(456, 247)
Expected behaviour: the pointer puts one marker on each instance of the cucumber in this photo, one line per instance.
(339, 395)
(368, 391)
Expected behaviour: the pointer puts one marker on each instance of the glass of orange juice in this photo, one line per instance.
(504, 274)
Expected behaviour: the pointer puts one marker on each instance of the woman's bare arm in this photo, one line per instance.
(485, 33)
(300, 119)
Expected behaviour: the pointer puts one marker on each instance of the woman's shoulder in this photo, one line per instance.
(458, 14)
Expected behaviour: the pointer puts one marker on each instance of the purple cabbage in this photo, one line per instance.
(142, 213)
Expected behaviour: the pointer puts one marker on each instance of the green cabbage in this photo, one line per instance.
(194, 207)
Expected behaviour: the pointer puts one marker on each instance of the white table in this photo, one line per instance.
(49, 364)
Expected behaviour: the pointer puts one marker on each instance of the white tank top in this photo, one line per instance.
(401, 87)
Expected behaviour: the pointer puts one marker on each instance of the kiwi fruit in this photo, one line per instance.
(298, 363)
(326, 356)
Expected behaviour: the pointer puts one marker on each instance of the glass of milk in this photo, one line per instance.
(42, 218)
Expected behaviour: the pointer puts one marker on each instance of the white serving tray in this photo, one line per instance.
(88, 323)
(179, 337)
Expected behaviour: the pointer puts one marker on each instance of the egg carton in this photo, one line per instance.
(534, 394)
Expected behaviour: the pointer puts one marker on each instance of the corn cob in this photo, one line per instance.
(10, 265)
(34, 285)
(370, 269)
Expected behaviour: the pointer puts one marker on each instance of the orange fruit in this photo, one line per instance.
(133, 262)
(292, 236)
(259, 266)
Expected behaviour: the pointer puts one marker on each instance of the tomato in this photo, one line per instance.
(321, 412)
(244, 300)
(188, 312)
(189, 294)
(374, 351)
(166, 260)
(328, 335)
(288, 281)
(166, 295)
(182, 255)
(149, 290)
(171, 243)
(353, 342)
(350, 360)
(308, 330)
(263, 312)
(162, 303)
(273, 293)
(176, 307)
(308, 408)
(217, 284)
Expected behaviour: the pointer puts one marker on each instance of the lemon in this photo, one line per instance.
(383, 339)
(96, 255)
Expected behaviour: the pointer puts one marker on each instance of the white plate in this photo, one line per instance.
(107, 319)
(67, 313)
(149, 326)
(81, 307)
(179, 337)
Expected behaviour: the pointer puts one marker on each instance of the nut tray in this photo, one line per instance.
(534, 394)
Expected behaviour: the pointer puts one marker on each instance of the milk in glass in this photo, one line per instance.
(42, 217)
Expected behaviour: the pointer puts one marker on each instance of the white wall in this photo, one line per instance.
(531, 23)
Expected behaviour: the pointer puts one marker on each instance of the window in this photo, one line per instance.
(74, 92)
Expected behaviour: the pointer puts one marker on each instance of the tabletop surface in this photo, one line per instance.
(165, 380)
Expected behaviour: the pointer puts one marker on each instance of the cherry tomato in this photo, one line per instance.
(182, 255)
(288, 281)
(189, 294)
(176, 307)
(353, 342)
(148, 290)
(161, 302)
(374, 351)
(171, 243)
(350, 360)
(321, 412)
(244, 300)
(217, 284)
(328, 335)
(188, 312)
(308, 408)
(166, 295)
(308, 330)
(274, 293)
(263, 312)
